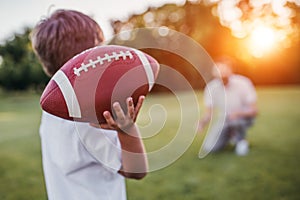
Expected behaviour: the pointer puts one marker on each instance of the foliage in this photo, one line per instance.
(201, 23)
(20, 68)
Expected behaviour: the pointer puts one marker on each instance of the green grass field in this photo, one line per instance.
(271, 170)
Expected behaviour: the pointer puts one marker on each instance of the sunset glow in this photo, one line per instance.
(265, 25)
(262, 40)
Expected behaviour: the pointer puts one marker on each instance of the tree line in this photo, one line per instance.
(280, 66)
(20, 69)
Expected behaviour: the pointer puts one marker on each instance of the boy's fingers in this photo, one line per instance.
(139, 105)
(130, 107)
(118, 110)
(110, 121)
(105, 126)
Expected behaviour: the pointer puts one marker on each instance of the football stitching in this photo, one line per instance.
(100, 60)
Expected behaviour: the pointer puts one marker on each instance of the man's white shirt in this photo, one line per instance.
(237, 95)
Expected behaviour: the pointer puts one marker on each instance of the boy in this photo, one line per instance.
(80, 160)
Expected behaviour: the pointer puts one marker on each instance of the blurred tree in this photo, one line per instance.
(202, 22)
(187, 19)
(19, 67)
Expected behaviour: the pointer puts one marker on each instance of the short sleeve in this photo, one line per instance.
(250, 96)
(102, 144)
(213, 93)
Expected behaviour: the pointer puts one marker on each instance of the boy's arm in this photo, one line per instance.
(134, 159)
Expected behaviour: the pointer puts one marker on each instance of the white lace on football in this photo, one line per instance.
(100, 60)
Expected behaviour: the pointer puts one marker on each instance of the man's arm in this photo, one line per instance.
(134, 159)
(205, 119)
(250, 112)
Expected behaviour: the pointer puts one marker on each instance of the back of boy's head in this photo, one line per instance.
(64, 34)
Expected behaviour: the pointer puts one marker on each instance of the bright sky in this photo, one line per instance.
(16, 14)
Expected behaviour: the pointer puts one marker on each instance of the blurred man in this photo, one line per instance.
(239, 106)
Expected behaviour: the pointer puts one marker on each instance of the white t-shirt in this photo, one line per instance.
(80, 161)
(237, 95)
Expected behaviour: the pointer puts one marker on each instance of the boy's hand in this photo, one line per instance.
(123, 122)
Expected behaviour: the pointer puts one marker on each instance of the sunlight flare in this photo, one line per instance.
(262, 40)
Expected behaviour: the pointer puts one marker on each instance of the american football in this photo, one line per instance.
(90, 82)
